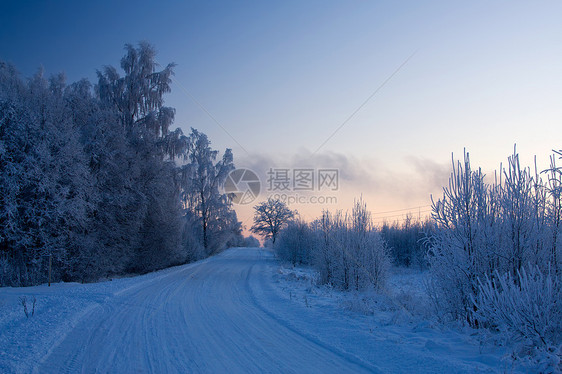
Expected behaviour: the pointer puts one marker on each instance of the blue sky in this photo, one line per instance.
(281, 77)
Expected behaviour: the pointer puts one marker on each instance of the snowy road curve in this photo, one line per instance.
(196, 319)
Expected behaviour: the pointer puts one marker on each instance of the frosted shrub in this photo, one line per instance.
(520, 218)
(460, 250)
(527, 307)
(376, 259)
(347, 251)
(485, 234)
(553, 208)
(251, 241)
(295, 243)
(483, 228)
(369, 255)
(351, 253)
(327, 255)
(450, 285)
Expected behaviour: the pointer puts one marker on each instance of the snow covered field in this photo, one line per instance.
(236, 312)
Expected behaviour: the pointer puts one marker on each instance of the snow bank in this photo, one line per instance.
(25, 341)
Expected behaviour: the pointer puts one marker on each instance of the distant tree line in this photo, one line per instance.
(93, 180)
(407, 241)
(341, 244)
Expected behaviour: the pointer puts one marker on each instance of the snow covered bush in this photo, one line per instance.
(328, 258)
(369, 255)
(485, 235)
(483, 228)
(553, 212)
(526, 307)
(295, 243)
(460, 249)
(251, 241)
(347, 250)
(521, 219)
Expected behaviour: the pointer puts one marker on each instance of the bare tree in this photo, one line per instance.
(269, 217)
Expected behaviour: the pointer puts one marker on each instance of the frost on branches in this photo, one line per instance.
(347, 250)
(495, 254)
(90, 181)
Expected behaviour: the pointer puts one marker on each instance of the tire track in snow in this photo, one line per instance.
(199, 318)
(311, 338)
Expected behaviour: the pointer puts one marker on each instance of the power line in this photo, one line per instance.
(401, 210)
(405, 214)
(365, 102)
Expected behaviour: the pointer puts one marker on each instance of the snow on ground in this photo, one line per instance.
(24, 341)
(393, 329)
(239, 311)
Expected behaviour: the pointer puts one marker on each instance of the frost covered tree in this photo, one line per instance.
(202, 179)
(137, 99)
(521, 232)
(328, 257)
(46, 192)
(89, 179)
(296, 243)
(369, 257)
(270, 217)
(553, 211)
(117, 215)
(138, 95)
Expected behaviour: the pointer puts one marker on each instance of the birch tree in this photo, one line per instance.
(202, 179)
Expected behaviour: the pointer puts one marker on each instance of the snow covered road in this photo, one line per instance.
(202, 318)
(238, 312)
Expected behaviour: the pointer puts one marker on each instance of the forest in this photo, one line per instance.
(94, 182)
